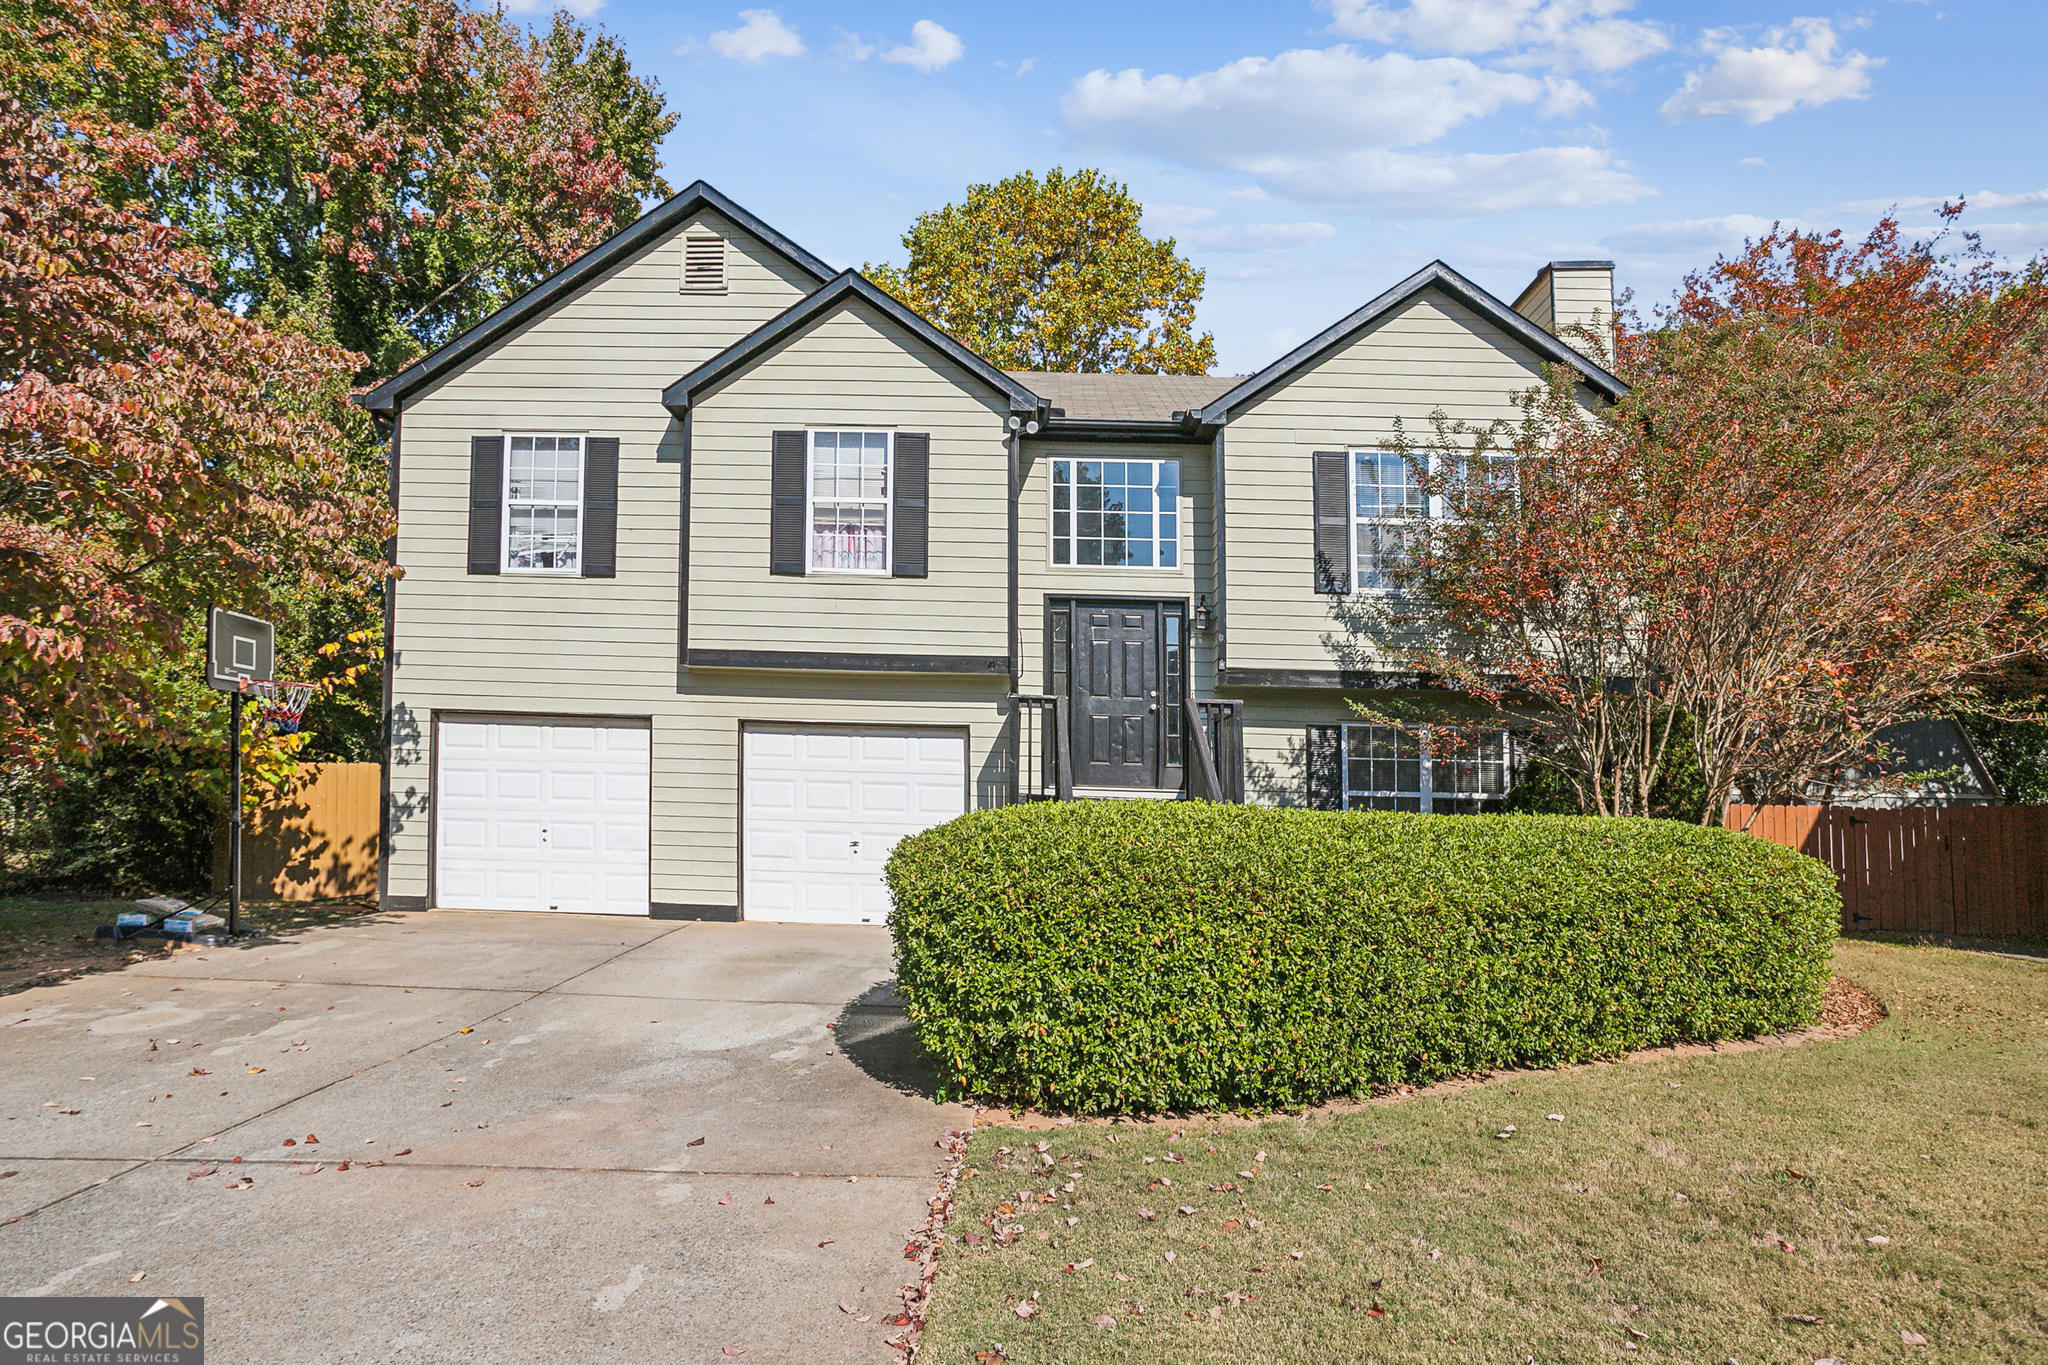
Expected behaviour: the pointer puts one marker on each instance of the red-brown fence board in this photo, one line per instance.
(1970, 870)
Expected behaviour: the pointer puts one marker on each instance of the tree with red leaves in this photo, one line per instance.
(1815, 514)
(384, 173)
(157, 453)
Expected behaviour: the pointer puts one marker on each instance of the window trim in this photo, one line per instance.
(1428, 793)
(1431, 510)
(1182, 563)
(888, 501)
(505, 503)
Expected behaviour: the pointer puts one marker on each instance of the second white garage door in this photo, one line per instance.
(542, 815)
(824, 807)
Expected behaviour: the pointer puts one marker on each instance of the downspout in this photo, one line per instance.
(1222, 562)
(390, 669)
(1015, 447)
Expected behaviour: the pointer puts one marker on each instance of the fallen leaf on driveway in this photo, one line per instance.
(723, 1202)
(472, 1183)
(694, 1142)
(255, 1070)
(136, 1278)
(291, 1142)
(312, 1141)
(846, 1308)
(406, 1152)
(769, 1200)
(827, 1242)
(198, 1071)
(196, 1175)
(466, 1030)
(728, 1350)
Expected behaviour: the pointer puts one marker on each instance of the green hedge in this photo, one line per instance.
(1106, 957)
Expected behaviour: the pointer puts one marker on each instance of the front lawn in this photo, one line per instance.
(1833, 1200)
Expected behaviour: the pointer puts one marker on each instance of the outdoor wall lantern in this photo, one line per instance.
(1205, 619)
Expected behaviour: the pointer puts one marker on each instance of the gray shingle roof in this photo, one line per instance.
(1124, 397)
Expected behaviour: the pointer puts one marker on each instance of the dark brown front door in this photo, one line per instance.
(1116, 697)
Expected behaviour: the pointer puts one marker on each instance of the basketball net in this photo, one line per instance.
(281, 704)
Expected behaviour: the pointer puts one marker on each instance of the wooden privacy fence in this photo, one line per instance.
(1973, 870)
(317, 840)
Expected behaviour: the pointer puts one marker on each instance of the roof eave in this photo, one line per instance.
(848, 286)
(574, 278)
(1434, 275)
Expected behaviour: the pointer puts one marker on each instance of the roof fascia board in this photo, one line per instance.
(1438, 275)
(579, 275)
(850, 286)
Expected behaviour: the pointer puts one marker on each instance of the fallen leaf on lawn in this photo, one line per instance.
(1231, 1225)
(1808, 1318)
(694, 1142)
(1795, 1175)
(1172, 1256)
(1326, 1187)
(1147, 1214)
(1073, 1266)
(1122, 1278)
(1555, 1118)
(1375, 1311)
(1782, 1244)
(1295, 1255)
(1908, 1337)
(1595, 1266)
(1025, 1309)
(1879, 1241)
(1105, 1320)
(1187, 1210)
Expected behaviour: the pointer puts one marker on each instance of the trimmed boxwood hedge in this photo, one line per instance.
(1109, 957)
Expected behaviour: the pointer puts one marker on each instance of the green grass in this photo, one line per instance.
(1567, 1241)
(49, 939)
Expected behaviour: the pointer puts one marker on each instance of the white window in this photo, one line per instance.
(1116, 513)
(543, 504)
(1390, 769)
(849, 514)
(1387, 507)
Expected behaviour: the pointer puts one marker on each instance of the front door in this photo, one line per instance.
(1116, 694)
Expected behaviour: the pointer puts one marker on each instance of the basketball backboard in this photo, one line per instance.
(238, 648)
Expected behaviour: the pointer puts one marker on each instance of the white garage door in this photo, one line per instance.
(542, 815)
(824, 807)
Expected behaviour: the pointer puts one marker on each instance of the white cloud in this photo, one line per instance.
(930, 47)
(1986, 200)
(1557, 33)
(1173, 217)
(1024, 67)
(761, 35)
(1325, 126)
(1250, 193)
(851, 47)
(582, 9)
(1700, 238)
(1795, 67)
(1259, 236)
(1756, 161)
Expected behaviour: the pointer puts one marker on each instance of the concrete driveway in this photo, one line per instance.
(603, 1139)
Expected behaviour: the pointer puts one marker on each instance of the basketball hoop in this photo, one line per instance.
(281, 704)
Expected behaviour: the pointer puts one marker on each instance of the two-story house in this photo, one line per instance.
(723, 571)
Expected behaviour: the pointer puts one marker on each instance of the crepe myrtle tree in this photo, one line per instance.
(157, 453)
(1817, 513)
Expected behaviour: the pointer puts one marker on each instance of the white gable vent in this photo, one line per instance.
(703, 264)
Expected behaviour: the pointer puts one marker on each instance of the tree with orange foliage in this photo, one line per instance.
(1814, 516)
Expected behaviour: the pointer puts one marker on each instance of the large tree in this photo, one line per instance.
(381, 172)
(1815, 515)
(157, 453)
(1054, 274)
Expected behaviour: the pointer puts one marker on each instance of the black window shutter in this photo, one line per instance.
(1333, 520)
(486, 502)
(1324, 761)
(789, 472)
(601, 507)
(911, 513)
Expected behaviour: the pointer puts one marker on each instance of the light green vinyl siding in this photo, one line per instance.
(1432, 353)
(1038, 577)
(856, 368)
(538, 645)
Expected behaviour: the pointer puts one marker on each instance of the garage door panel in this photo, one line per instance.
(540, 815)
(824, 807)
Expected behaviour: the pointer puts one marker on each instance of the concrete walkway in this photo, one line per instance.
(548, 1079)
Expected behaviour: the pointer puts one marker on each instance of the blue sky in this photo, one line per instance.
(1309, 154)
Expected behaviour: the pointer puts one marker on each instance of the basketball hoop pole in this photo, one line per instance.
(235, 819)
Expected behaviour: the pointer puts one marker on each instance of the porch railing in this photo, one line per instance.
(1041, 757)
(1041, 767)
